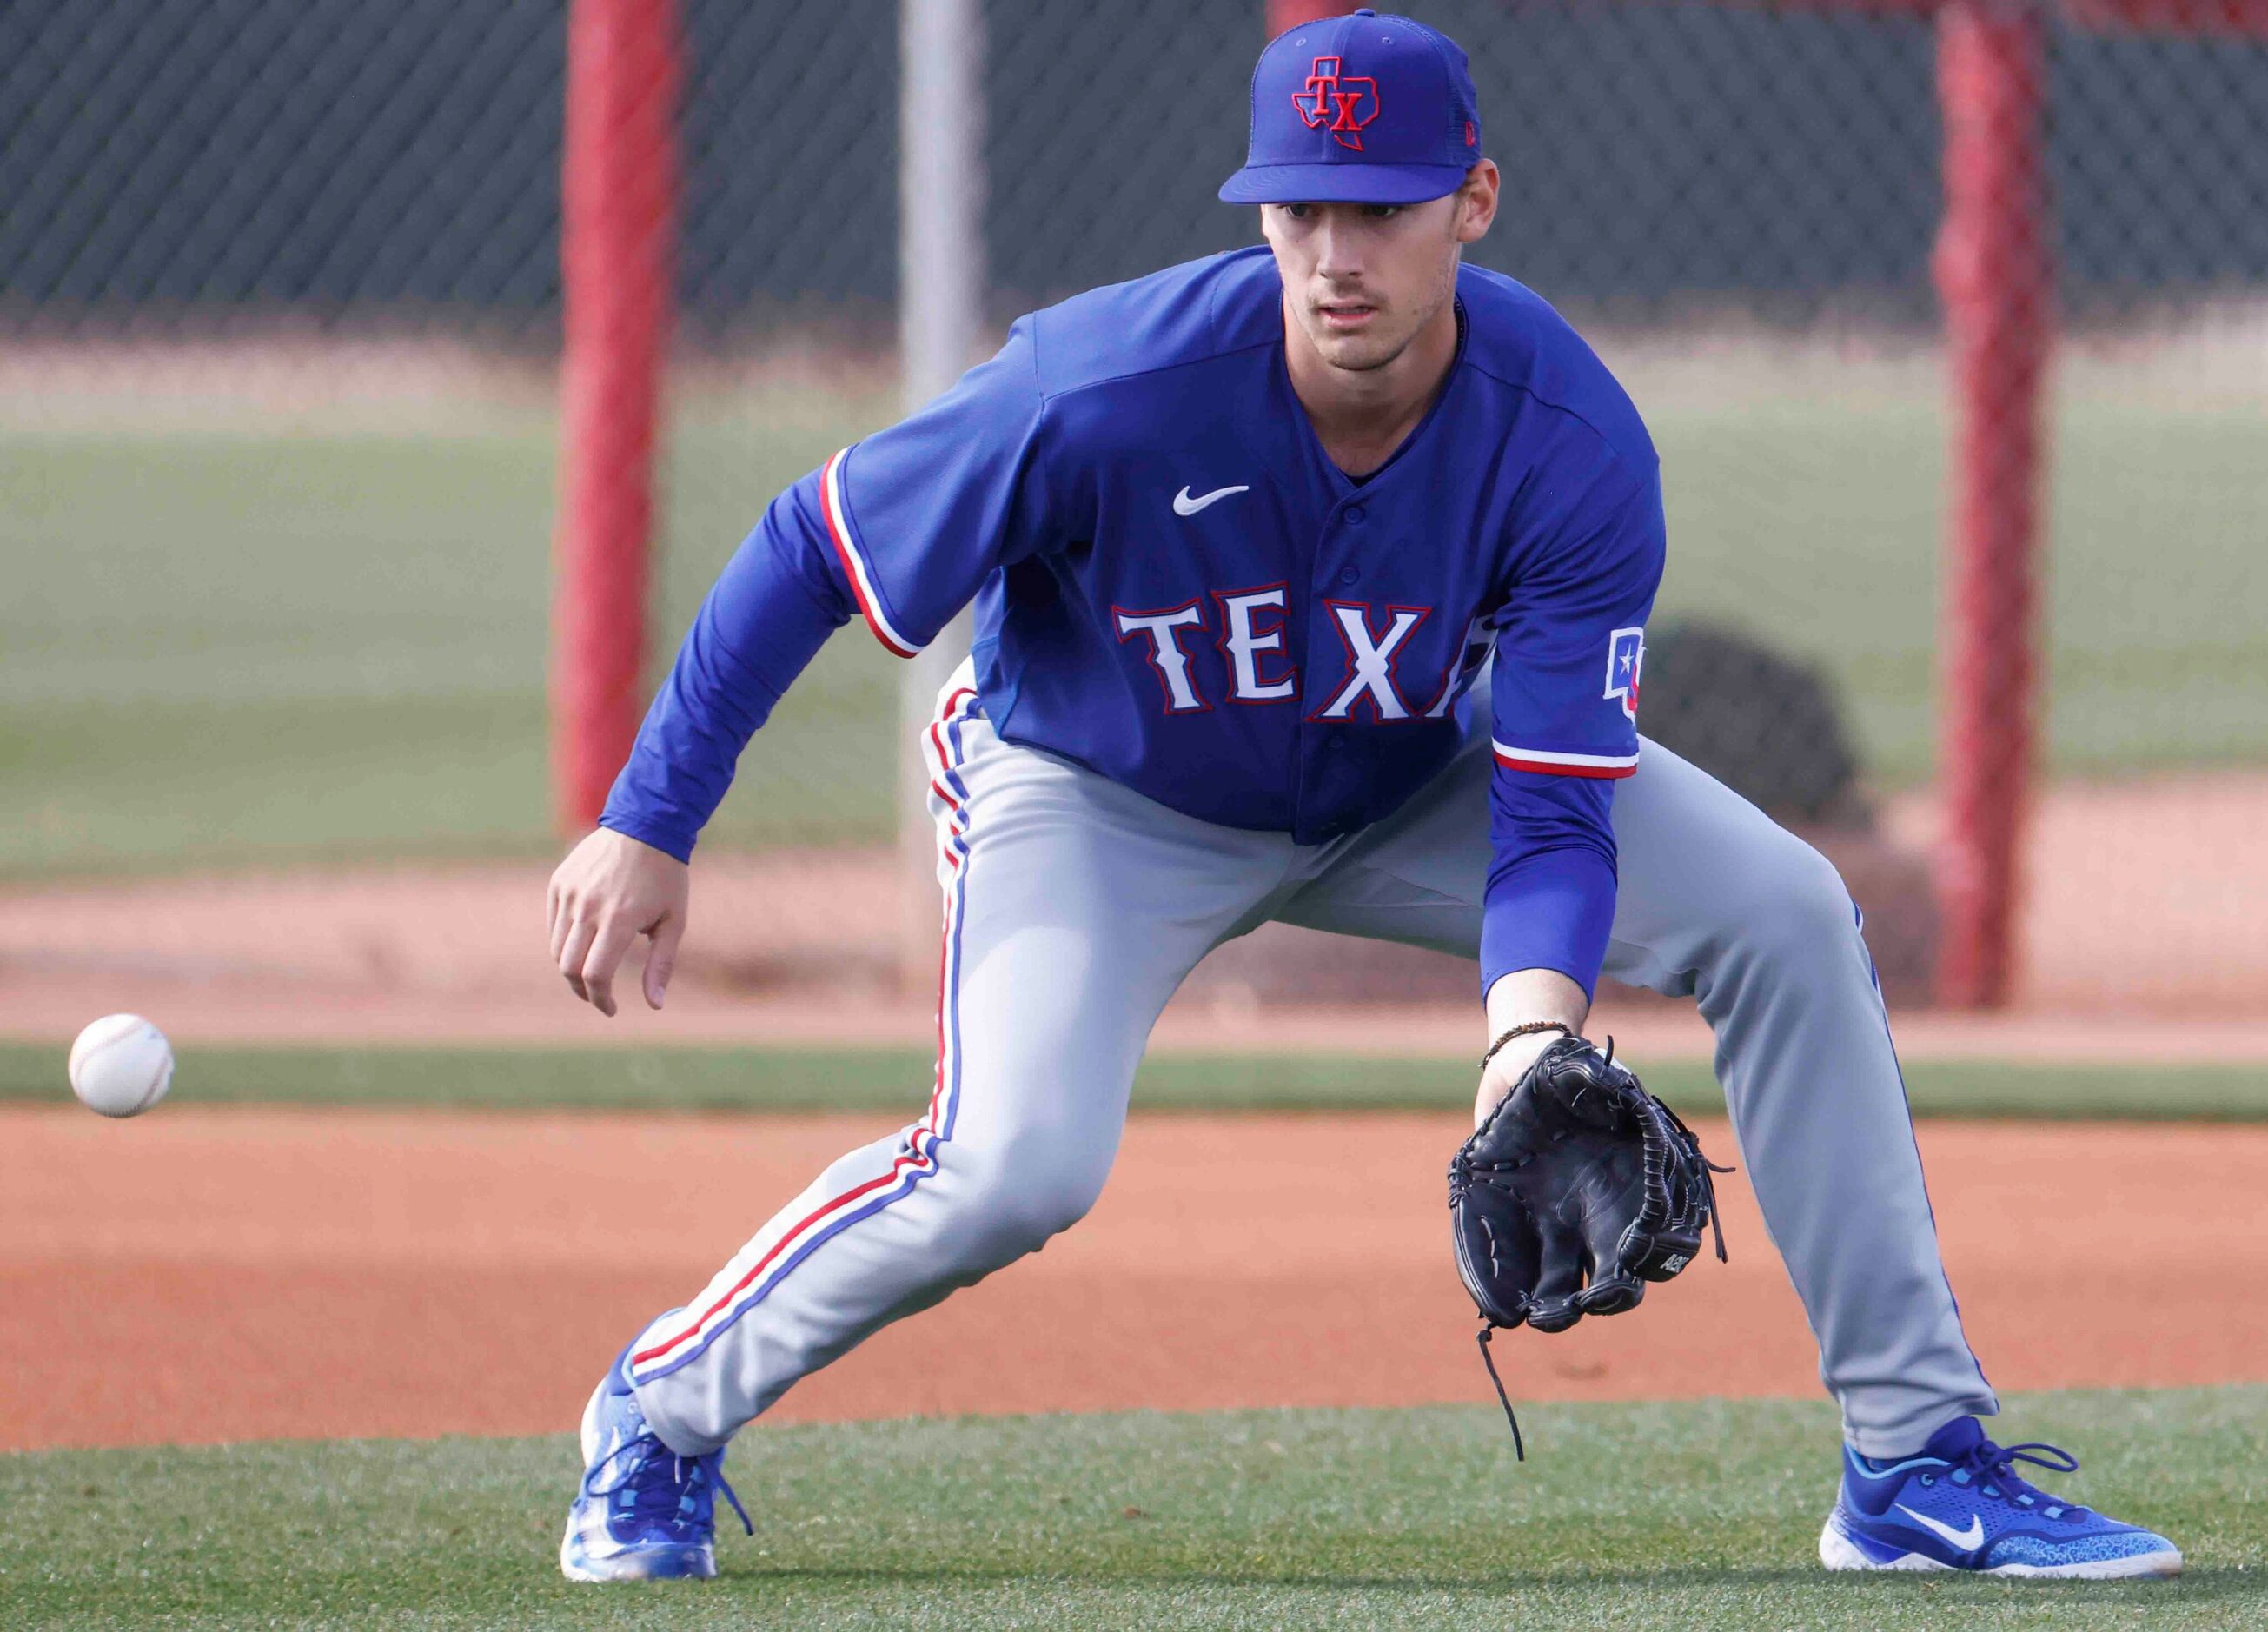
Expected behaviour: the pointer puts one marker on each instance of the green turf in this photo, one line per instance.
(229, 646)
(1679, 1516)
(267, 637)
(885, 1079)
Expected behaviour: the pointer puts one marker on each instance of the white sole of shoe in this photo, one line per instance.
(577, 1565)
(1838, 1551)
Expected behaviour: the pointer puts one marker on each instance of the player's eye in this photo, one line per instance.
(1297, 212)
(1381, 212)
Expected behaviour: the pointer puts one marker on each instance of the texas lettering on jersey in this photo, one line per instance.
(1247, 630)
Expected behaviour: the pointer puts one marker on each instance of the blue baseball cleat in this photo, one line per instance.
(642, 1512)
(1960, 1504)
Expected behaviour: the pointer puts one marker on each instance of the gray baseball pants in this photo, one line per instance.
(1074, 908)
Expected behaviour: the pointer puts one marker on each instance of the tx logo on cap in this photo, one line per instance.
(1343, 106)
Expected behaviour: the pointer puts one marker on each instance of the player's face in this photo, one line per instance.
(1363, 280)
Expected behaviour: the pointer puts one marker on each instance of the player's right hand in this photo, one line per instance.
(610, 890)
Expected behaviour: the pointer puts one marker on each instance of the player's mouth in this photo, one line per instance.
(1341, 317)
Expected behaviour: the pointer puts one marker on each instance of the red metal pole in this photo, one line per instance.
(1994, 274)
(1283, 14)
(2236, 18)
(617, 209)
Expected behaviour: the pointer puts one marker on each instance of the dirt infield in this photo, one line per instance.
(211, 1274)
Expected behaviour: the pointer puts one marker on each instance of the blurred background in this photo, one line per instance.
(1951, 324)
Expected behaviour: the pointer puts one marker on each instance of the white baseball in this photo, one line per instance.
(120, 1065)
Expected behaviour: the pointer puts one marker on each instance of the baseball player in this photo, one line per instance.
(1310, 585)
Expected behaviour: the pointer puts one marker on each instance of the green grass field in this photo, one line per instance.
(239, 645)
(266, 638)
(892, 1079)
(1660, 1516)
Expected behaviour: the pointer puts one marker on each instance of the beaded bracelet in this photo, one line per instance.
(1528, 1030)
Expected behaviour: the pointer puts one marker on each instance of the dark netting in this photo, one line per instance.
(215, 154)
(339, 155)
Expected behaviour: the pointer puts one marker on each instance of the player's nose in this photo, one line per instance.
(1338, 252)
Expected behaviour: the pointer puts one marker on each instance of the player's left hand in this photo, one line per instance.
(1501, 1072)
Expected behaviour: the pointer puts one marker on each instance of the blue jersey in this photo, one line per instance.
(1176, 588)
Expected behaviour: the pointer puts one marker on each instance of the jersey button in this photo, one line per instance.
(1354, 514)
(1351, 575)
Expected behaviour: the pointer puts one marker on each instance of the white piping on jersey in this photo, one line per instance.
(854, 562)
(1566, 764)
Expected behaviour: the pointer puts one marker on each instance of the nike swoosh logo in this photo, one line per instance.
(1184, 505)
(1967, 1541)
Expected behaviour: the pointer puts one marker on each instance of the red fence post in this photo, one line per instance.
(617, 208)
(1994, 274)
(1283, 14)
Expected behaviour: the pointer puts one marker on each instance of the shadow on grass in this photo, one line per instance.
(2211, 1584)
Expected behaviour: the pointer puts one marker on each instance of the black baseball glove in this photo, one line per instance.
(1579, 1189)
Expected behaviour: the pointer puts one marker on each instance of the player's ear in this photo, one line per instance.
(1476, 201)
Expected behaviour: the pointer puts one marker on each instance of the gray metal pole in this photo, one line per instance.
(942, 278)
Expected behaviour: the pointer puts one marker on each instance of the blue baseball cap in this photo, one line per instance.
(1363, 109)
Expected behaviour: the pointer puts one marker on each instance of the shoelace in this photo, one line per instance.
(650, 1452)
(1994, 1467)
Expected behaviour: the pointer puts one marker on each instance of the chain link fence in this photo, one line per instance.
(279, 309)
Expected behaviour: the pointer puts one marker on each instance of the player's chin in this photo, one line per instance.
(1358, 353)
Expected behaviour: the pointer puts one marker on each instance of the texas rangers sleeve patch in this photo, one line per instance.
(1626, 656)
(1625, 659)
